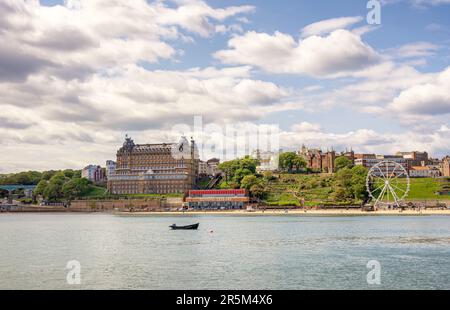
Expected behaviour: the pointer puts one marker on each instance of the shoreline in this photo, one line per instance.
(243, 213)
(292, 213)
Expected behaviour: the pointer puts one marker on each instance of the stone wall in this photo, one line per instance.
(122, 204)
(148, 204)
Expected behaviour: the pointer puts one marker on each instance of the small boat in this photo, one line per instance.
(189, 227)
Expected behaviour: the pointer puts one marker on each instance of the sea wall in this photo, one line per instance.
(137, 205)
(119, 204)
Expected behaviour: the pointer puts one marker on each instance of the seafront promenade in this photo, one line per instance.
(152, 207)
(291, 212)
(297, 212)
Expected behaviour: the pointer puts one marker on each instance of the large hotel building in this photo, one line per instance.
(154, 168)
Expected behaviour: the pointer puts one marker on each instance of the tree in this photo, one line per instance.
(299, 163)
(258, 190)
(343, 162)
(249, 163)
(236, 170)
(255, 185)
(40, 188)
(359, 183)
(248, 181)
(53, 190)
(75, 188)
(68, 173)
(350, 184)
(240, 174)
(229, 168)
(342, 185)
(289, 160)
(24, 178)
(47, 175)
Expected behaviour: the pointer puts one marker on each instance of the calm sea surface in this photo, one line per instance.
(271, 252)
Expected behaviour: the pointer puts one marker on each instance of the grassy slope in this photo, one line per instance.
(287, 189)
(95, 191)
(425, 189)
(316, 190)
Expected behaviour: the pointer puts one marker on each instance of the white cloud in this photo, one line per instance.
(430, 99)
(337, 54)
(418, 3)
(329, 25)
(365, 140)
(130, 99)
(71, 77)
(430, 2)
(415, 49)
(196, 16)
(306, 127)
(83, 37)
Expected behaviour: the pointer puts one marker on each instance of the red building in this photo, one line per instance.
(226, 199)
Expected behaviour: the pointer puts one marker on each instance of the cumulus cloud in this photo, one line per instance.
(415, 49)
(430, 99)
(82, 37)
(306, 127)
(336, 54)
(77, 76)
(16, 65)
(6, 122)
(365, 140)
(196, 16)
(329, 25)
(136, 99)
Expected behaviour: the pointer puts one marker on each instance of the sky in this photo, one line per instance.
(77, 75)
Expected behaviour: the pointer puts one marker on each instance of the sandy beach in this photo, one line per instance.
(428, 212)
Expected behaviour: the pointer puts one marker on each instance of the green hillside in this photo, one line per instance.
(94, 191)
(288, 190)
(426, 189)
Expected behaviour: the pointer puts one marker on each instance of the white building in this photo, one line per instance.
(94, 173)
(110, 168)
(424, 172)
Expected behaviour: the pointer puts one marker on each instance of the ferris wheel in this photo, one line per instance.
(388, 183)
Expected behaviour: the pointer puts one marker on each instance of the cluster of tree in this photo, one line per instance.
(22, 178)
(34, 177)
(350, 184)
(241, 173)
(291, 162)
(343, 162)
(235, 170)
(256, 185)
(64, 185)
